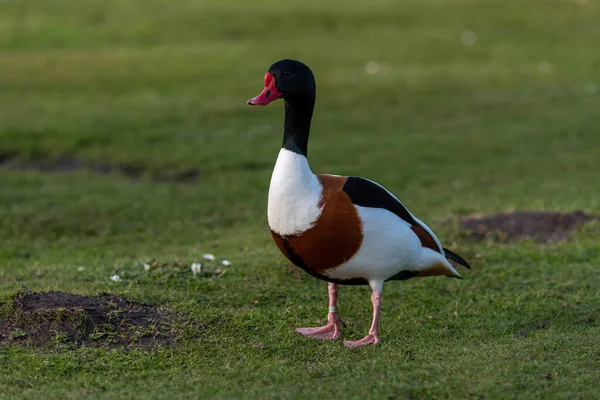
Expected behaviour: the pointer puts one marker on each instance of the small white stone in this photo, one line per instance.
(372, 67)
(209, 257)
(147, 267)
(80, 268)
(226, 263)
(468, 38)
(115, 278)
(545, 68)
(591, 88)
(196, 268)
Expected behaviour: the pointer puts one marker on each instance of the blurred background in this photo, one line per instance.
(125, 136)
(124, 129)
(492, 102)
(494, 99)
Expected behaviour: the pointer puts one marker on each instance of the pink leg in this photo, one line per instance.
(332, 329)
(372, 337)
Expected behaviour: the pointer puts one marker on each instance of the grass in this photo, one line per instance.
(508, 123)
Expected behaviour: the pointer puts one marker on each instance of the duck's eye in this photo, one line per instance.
(286, 72)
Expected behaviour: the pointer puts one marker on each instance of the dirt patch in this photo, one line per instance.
(72, 164)
(541, 226)
(64, 320)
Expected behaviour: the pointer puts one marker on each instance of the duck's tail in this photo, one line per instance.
(456, 258)
(453, 273)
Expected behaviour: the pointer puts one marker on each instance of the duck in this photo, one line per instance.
(345, 230)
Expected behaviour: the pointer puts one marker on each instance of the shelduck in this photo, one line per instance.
(344, 230)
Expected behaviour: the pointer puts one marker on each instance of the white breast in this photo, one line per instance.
(294, 195)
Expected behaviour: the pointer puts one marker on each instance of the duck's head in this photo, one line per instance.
(286, 79)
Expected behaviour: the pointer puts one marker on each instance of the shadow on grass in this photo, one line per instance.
(72, 164)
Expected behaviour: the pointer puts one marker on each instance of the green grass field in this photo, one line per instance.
(160, 87)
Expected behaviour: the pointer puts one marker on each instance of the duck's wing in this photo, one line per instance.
(366, 193)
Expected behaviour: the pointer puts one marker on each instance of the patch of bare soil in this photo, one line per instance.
(66, 320)
(541, 226)
(72, 164)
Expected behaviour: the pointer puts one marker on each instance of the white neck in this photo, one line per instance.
(294, 195)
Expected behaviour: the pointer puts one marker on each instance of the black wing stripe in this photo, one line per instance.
(365, 193)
